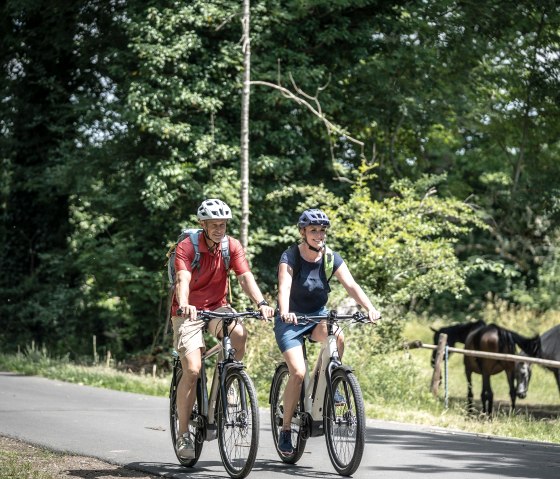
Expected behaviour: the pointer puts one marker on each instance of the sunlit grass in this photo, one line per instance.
(40, 364)
(13, 465)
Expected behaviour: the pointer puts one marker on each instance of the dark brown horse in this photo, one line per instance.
(456, 333)
(495, 339)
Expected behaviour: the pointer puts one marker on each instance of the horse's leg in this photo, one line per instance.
(468, 373)
(512, 389)
(487, 396)
(557, 376)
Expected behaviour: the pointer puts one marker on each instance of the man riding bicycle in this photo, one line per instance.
(205, 287)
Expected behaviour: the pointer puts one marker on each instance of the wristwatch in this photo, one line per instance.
(264, 302)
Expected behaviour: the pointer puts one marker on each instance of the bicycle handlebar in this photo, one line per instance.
(357, 317)
(208, 315)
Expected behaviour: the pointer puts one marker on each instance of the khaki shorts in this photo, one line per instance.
(187, 335)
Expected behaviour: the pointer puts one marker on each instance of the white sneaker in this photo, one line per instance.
(185, 447)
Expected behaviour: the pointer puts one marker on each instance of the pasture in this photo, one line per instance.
(542, 403)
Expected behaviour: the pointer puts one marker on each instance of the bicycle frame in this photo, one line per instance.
(319, 383)
(225, 361)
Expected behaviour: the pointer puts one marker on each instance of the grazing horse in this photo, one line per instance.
(495, 339)
(550, 349)
(455, 334)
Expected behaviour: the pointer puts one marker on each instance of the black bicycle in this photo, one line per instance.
(341, 420)
(230, 412)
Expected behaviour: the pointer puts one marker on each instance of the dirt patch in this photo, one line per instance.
(32, 461)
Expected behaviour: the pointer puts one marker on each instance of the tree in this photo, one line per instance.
(245, 96)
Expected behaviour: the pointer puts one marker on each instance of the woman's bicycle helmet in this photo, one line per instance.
(313, 216)
(213, 209)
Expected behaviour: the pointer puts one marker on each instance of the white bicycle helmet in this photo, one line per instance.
(213, 209)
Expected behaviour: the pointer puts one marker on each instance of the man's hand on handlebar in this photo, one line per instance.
(266, 311)
(373, 315)
(188, 311)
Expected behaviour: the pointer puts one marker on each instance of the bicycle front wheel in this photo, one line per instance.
(238, 430)
(345, 432)
(196, 428)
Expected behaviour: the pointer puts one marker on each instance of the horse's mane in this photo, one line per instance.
(531, 346)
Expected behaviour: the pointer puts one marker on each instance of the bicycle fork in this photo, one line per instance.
(319, 384)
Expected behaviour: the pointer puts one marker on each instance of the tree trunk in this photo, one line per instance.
(246, 42)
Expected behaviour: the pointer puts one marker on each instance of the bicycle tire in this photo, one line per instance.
(238, 433)
(299, 440)
(345, 434)
(197, 432)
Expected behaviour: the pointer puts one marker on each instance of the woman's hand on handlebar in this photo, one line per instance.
(289, 318)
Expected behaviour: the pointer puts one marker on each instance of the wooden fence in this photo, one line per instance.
(442, 355)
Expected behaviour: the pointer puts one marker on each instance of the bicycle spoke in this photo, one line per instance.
(238, 430)
(345, 432)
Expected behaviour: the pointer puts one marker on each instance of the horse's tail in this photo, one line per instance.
(531, 346)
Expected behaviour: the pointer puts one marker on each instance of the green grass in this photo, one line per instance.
(13, 465)
(396, 385)
(34, 362)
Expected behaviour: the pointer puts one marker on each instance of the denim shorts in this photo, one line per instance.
(289, 335)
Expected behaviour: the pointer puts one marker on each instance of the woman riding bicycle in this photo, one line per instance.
(303, 290)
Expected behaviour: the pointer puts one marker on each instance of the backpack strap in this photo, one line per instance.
(297, 257)
(194, 240)
(328, 263)
(225, 251)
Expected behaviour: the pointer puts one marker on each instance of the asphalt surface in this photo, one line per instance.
(132, 430)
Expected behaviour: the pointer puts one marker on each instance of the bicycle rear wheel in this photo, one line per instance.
(345, 433)
(196, 427)
(299, 438)
(238, 431)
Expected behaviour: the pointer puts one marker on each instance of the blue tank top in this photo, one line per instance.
(310, 288)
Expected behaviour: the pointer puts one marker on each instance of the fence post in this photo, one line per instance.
(436, 376)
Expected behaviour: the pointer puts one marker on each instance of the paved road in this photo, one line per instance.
(132, 430)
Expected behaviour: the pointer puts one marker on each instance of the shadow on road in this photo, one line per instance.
(118, 471)
(202, 470)
(469, 452)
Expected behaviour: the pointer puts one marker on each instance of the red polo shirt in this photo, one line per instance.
(208, 286)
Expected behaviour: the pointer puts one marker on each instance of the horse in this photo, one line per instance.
(550, 349)
(455, 334)
(495, 339)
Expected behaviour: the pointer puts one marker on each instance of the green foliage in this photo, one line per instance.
(116, 129)
(402, 248)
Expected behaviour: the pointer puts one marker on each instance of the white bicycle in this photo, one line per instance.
(341, 421)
